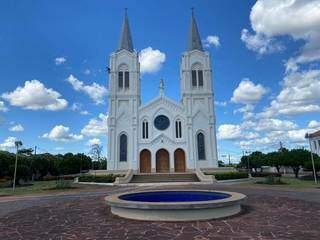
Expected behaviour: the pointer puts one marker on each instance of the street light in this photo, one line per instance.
(308, 136)
(17, 144)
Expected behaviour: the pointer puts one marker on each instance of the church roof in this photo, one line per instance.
(194, 36)
(315, 134)
(125, 37)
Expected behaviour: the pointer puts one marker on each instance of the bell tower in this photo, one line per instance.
(196, 89)
(124, 100)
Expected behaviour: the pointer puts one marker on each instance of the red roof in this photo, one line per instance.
(315, 134)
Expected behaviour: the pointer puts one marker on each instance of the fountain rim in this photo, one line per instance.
(234, 197)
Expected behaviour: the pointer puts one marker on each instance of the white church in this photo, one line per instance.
(163, 135)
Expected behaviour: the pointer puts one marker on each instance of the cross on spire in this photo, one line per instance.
(125, 37)
(194, 36)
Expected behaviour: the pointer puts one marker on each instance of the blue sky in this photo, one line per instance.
(53, 57)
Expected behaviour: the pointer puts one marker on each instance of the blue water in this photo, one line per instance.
(173, 196)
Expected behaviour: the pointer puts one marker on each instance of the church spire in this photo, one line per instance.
(194, 37)
(125, 38)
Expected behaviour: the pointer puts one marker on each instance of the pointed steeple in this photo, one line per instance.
(125, 37)
(194, 36)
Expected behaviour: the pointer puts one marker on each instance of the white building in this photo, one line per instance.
(162, 135)
(314, 139)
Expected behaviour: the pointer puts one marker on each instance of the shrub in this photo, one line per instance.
(272, 180)
(110, 178)
(229, 175)
(62, 184)
(54, 178)
(265, 174)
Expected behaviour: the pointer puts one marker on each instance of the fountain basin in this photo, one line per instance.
(175, 205)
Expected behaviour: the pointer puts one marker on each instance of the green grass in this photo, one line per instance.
(37, 187)
(298, 183)
(292, 182)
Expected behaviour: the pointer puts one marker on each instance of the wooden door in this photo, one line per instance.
(179, 161)
(162, 161)
(145, 161)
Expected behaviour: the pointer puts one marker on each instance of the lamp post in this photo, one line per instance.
(312, 160)
(17, 144)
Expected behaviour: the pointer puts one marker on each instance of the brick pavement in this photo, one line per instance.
(87, 217)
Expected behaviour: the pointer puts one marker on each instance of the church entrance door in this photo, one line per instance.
(179, 160)
(145, 161)
(162, 161)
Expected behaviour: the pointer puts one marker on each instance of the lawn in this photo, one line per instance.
(298, 183)
(36, 187)
(292, 182)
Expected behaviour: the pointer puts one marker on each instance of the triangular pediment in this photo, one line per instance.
(163, 102)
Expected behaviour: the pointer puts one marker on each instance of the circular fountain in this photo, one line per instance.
(175, 205)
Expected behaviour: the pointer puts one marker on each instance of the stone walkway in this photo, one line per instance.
(273, 215)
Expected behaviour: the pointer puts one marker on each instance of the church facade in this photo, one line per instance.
(161, 136)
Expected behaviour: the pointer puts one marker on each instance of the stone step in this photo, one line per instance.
(154, 178)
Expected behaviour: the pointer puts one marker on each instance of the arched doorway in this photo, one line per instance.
(162, 161)
(179, 160)
(145, 161)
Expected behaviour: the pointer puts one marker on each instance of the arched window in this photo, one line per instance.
(197, 75)
(178, 129)
(123, 147)
(145, 129)
(123, 77)
(201, 146)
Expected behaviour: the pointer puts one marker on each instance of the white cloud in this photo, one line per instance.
(251, 135)
(84, 112)
(16, 128)
(3, 108)
(212, 41)
(260, 43)
(77, 107)
(297, 136)
(94, 141)
(247, 111)
(151, 60)
(229, 131)
(61, 133)
(8, 143)
(60, 60)
(220, 103)
(269, 124)
(96, 127)
(314, 124)
(87, 71)
(300, 94)
(248, 93)
(295, 18)
(95, 91)
(35, 96)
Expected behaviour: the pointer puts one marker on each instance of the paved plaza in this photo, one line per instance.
(267, 214)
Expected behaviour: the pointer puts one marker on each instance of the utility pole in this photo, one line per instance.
(312, 160)
(229, 160)
(18, 144)
(35, 150)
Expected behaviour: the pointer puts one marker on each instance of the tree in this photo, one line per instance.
(40, 165)
(6, 159)
(23, 172)
(96, 151)
(274, 159)
(26, 151)
(221, 163)
(295, 159)
(308, 164)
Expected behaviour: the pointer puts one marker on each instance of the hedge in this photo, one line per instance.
(265, 174)
(229, 175)
(54, 178)
(110, 178)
